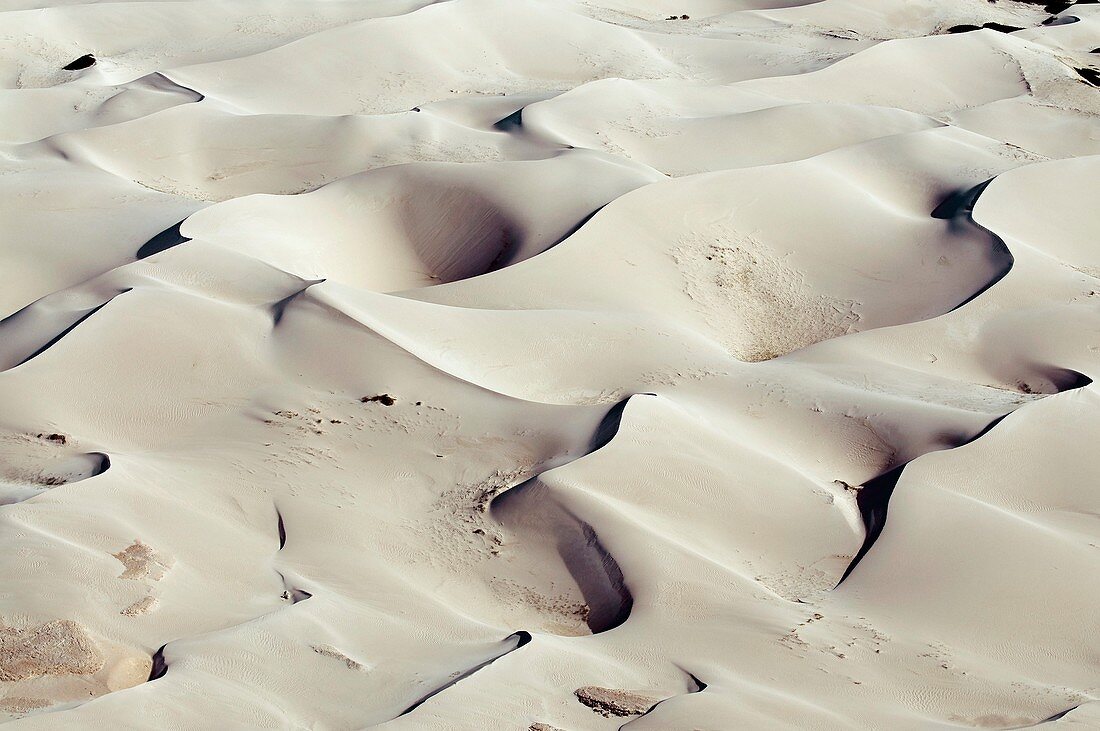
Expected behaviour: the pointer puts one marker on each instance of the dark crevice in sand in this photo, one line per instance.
(512, 123)
(1065, 379)
(873, 498)
(281, 528)
(85, 61)
(1049, 719)
(957, 206)
(609, 425)
(27, 484)
(104, 463)
(510, 244)
(163, 241)
(958, 210)
(1092, 76)
(74, 469)
(999, 27)
(1051, 7)
(160, 665)
(1060, 715)
(1061, 20)
(290, 592)
(520, 638)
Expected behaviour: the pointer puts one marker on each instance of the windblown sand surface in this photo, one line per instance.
(531, 364)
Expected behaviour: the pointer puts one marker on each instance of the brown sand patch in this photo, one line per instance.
(753, 300)
(140, 561)
(141, 606)
(330, 651)
(613, 702)
(60, 647)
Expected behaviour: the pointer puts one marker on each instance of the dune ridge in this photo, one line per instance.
(516, 364)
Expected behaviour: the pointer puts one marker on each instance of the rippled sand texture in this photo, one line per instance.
(535, 365)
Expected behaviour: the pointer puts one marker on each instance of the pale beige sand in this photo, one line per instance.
(518, 364)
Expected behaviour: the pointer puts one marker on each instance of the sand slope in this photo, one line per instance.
(515, 364)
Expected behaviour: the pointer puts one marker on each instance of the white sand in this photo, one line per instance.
(517, 364)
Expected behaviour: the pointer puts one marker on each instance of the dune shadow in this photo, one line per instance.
(553, 532)
(512, 643)
(163, 241)
(873, 498)
(958, 210)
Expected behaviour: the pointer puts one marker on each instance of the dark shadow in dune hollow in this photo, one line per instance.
(160, 665)
(958, 210)
(873, 499)
(521, 638)
(103, 463)
(531, 510)
(511, 123)
(57, 338)
(698, 686)
(85, 61)
(163, 241)
(279, 308)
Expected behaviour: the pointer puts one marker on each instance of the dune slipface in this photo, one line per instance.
(531, 365)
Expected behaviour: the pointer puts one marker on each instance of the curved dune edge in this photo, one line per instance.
(511, 364)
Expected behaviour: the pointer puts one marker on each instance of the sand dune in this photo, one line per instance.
(514, 364)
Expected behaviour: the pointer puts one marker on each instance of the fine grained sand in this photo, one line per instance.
(517, 364)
